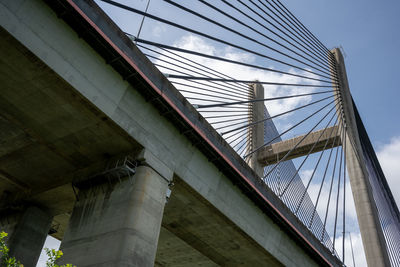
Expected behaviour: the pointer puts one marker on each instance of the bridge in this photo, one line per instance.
(137, 152)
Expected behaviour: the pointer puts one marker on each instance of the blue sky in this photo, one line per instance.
(369, 33)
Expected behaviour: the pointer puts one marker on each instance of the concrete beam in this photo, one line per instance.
(273, 153)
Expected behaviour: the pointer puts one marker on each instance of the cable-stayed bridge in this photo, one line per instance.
(183, 133)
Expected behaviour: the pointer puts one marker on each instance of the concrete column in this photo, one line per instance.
(367, 213)
(118, 224)
(256, 133)
(27, 232)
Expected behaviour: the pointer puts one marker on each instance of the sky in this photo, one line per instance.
(367, 31)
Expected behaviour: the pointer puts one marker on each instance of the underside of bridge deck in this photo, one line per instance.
(50, 136)
(194, 233)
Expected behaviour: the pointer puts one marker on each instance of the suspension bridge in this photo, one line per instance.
(183, 133)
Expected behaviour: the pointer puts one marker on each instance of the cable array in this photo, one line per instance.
(388, 212)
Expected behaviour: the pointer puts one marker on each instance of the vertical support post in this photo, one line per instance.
(118, 224)
(367, 213)
(256, 132)
(27, 232)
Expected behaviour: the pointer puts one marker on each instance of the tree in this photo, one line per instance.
(7, 261)
(53, 256)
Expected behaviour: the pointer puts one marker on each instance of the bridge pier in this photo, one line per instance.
(256, 132)
(27, 232)
(367, 213)
(118, 224)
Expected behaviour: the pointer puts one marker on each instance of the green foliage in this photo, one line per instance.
(7, 261)
(53, 256)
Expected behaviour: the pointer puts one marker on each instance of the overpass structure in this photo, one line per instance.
(102, 151)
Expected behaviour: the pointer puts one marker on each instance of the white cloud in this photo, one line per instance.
(305, 175)
(238, 72)
(50, 243)
(358, 249)
(245, 73)
(389, 158)
(191, 42)
(350, 214)
(158, 29)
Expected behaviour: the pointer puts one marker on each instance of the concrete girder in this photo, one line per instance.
(273, 153)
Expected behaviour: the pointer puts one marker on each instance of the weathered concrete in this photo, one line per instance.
(367, 213)
(117, 225)
(109, 117)
(275, 152)
(27, 230)
(256, 132)
(195, 233)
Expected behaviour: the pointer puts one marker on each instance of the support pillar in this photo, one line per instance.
(256, 132)
(367, 213)
(27, 232)
(118, 224)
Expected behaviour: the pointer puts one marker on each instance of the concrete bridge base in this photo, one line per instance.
(119, 224)
(27, 231)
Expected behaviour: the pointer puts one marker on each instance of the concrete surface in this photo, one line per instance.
(27, 230)
(256, 132)
(207, 237)
(117, 224)
(275, 152)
